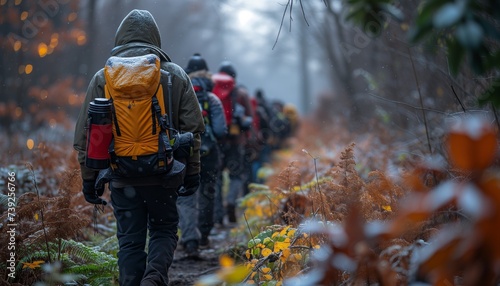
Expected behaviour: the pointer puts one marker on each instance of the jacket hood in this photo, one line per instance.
(138, 26)
(201, 73)
(204, 76)
(138, 29)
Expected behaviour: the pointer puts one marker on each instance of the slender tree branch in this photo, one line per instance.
(456, 96)
(281, 24)
(248, 226)
(317, 183)
(424, 61)
(30, 167)
(407, 104)
(303, 12)
(421, 102)
(423, 111)
(496, 116)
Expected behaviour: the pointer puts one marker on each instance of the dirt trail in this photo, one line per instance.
(185, 272)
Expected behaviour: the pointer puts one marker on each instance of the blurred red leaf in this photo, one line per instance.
(472, 145)
(436, 257)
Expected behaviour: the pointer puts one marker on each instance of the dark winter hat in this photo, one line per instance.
(227, 67)
(196, 63)
(259, 94)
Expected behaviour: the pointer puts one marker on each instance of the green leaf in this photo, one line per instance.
(448, 15)
(427, 11)
(264, 234)
(253, 242)
(356, 15)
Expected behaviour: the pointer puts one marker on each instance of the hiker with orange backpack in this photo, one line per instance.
(238, 111)
(141, 118)
(196, 213)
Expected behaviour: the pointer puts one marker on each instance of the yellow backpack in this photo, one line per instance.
(140, 145)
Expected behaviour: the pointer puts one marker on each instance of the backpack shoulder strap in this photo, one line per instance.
(168, 103)
(164, 102)
(234, 96)
(107, 94)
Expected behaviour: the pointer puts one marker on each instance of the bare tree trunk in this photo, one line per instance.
(305, 82)
(334, 43)
(91, 32)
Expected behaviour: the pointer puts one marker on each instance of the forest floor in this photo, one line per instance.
(186, 271)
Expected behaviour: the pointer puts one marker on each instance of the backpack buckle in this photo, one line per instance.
(164, 122)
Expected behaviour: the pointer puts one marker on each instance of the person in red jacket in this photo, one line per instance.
(238, 109)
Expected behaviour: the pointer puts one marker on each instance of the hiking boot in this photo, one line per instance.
(148, 283)
(191, 249)
(204, 242)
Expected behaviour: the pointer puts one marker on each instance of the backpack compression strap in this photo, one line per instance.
(156, 112)
(202, 95)
(107, 94)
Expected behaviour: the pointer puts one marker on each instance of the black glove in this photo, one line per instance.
(91, 194)
(191, 185)
(102, 179)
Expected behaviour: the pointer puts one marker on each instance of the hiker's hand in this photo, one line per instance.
(191, 185)
(246, 123)
(239, 111)
(91, 194)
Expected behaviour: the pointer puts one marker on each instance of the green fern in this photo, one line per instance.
(110, 245)
(90, 261)
(83, 252)
(4, 201)
(83, 263)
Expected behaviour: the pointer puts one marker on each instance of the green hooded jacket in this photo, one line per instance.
(138, 35)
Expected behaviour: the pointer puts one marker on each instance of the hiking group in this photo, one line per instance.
(160, 137)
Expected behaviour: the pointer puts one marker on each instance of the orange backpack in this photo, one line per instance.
(140, 145)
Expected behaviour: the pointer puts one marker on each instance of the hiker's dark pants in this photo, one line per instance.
(218, 200)
(210, 174)
(234, 162)
(137, 210)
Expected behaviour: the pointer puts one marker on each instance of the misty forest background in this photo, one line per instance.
(377, 85)
(320, 62)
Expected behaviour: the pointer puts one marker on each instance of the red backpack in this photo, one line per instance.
(223, 88)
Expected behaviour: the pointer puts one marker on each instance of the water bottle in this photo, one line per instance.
(99, 134)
